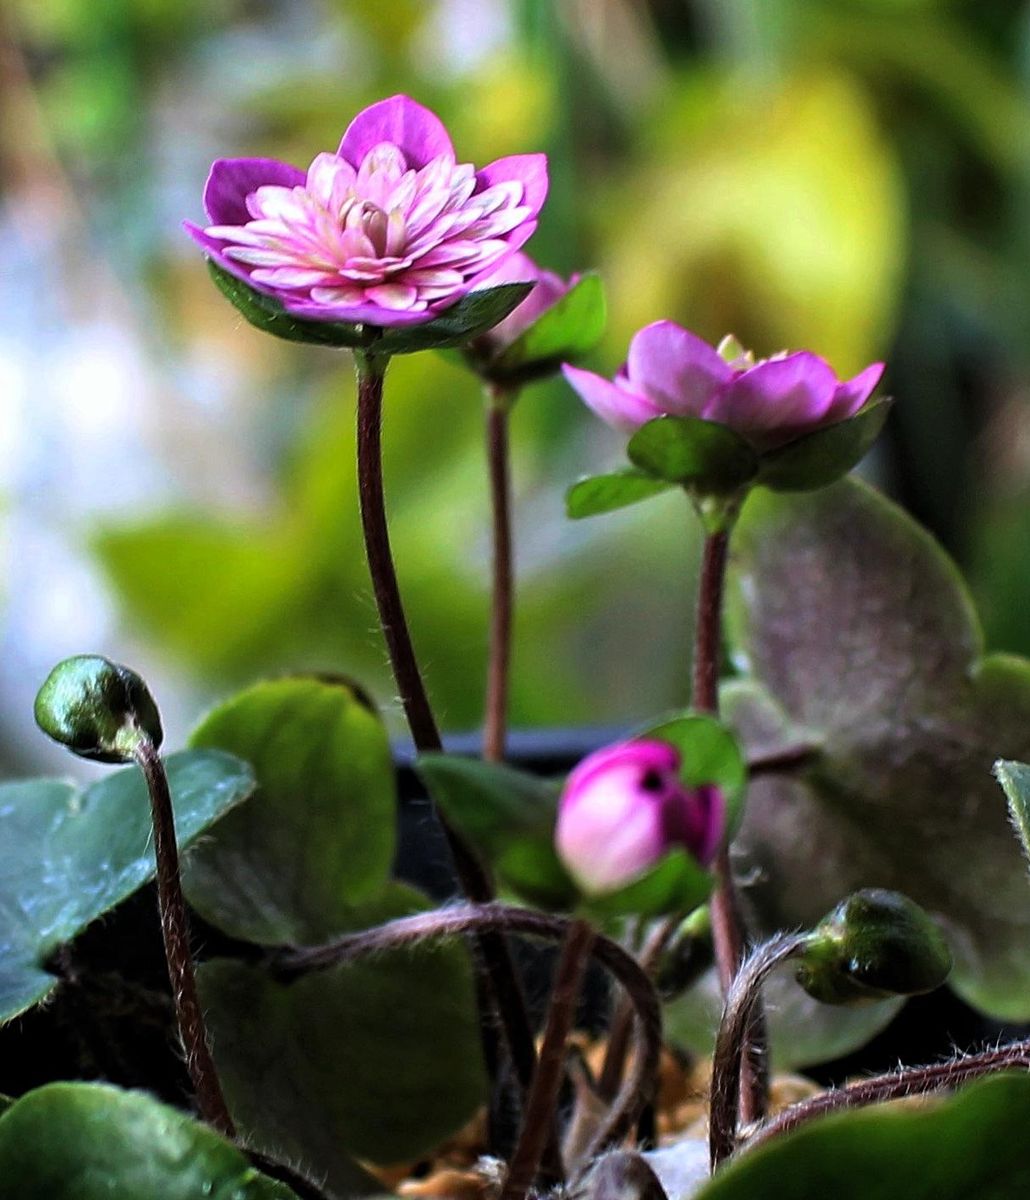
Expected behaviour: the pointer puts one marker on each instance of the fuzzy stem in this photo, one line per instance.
(621, 1027)
(505, 988)
(727, 923)
(897, 1085)
(175, 930)
(542, 1101)
(639, 1087)
(730, 1042)
(502, 603)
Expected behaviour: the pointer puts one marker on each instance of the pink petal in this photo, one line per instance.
(853, 393)
(215, 250)
(776, 400)
(622, 409)
(231, 180)
(678, 370)
(329, 179)
(393, 295)
(356, 314)
(419, 133)
(528, 169)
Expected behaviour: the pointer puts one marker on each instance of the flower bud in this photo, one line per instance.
(874, 944)
(624, 808)
(99, 709)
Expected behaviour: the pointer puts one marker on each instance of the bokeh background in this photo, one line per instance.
(177, 490)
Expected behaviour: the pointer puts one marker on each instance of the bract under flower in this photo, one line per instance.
(388, 231)
(670, 371)
(548, 289)
(625, 807)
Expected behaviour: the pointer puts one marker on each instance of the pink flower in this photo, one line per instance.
(670, 371)
(548, 289)
(390, 230)
(624, 808)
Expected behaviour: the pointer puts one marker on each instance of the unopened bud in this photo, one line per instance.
(874, 944)
(99, 709)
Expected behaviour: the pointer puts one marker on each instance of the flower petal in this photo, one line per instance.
(355, 314)
(419, 133)
(777, 400)
(674, 367)
(853, 393)
(231, 180)
(528, 169)
(620, 408)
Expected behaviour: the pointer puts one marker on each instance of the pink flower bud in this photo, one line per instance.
(624, 808)
(670, 371)
(548, 289)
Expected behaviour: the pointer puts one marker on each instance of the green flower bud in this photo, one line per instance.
(99, 709)
(873, 945)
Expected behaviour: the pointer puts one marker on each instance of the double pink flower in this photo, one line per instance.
(390, 230)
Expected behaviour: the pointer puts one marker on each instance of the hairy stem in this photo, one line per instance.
(502, 598)
(542, 1101)
(622, 1023)
(504, 985)
(730, 1042)
(641, 1083)
(175, 930)
(727, 923)
(897, 1085)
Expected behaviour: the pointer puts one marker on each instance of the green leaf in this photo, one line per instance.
(709, 753)
(822, 457)
(378, 1058)
(472, 315)
(1014, 778)
(318, 836)
(605, 493)
(565, 331)
(89, 1141)
(856, 622)
(703, 455)
(973, 1144)
(66, 856)
(509, 817)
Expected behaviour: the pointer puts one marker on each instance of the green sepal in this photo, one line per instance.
(473, 314)
(605, 493)
(677, 884)
(876, 943)
(824, 456)
(509, 817)
(709, 753)
(567, 330)
(704, 456)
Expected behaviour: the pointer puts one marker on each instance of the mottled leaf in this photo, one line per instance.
(66, 856)
(851, 616)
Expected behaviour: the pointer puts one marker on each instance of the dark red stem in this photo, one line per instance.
(175, 930)
(542, 1101)
(505, 987)
(501, 607)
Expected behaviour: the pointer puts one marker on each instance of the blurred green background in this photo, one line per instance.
(851, 176)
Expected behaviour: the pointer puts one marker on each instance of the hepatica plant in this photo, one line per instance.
(815, 829)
